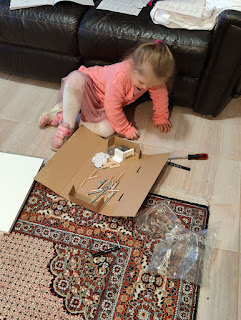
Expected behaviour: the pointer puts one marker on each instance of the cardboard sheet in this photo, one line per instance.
(65, 172)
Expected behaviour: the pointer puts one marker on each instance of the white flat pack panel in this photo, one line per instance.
(17, 174)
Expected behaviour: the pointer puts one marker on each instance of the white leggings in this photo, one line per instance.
(72, 97)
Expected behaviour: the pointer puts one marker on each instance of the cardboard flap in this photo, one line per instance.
(129, 144)
(65, 164)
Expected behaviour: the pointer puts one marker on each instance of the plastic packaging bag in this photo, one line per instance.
(179, 253)
(157, 220)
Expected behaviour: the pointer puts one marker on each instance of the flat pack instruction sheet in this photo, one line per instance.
(133, 7)
(18, 4)
(17, 176)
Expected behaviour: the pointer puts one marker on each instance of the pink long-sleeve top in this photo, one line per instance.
(115, 90)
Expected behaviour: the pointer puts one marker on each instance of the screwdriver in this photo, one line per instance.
(198, 156)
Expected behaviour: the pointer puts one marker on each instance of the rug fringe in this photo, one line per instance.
(180, 194)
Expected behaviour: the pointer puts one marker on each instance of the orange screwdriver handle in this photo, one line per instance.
(198, 156)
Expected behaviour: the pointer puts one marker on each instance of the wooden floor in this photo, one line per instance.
(216, 180)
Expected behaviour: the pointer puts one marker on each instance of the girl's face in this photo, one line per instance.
(146, 78)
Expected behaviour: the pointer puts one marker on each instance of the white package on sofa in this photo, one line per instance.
(210, 14)
(192, 8)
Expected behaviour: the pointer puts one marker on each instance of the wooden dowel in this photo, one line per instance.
(114, 165)
(109, 180)
(107, 164)
(104, 184)
(92, 177)
(112, 160)
(82, 183)
(118, 178)
(93, 172)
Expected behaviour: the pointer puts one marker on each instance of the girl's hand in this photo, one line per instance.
(135, 135)
(165, 127)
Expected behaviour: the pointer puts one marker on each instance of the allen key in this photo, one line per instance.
(100, 253)
(107, 199)
(102, 191)
(101, 184)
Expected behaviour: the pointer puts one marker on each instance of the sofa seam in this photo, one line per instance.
(42, 22)
(140, 39)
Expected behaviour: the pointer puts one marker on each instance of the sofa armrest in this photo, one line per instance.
(231, 17)
(223, 67)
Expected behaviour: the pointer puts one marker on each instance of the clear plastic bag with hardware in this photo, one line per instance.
(157, 220)
(179, 253)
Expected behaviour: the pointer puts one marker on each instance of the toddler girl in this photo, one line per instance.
(100, 93)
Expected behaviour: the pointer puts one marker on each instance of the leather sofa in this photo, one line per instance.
(48, 42)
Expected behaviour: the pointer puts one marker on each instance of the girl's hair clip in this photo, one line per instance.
(157, 41)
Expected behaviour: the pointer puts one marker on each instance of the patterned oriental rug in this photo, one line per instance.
(47, 270)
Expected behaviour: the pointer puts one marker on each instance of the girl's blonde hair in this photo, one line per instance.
(158, 55)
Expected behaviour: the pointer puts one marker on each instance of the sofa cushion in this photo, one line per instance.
(35, 63)
(50, 28)
(105, 35)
